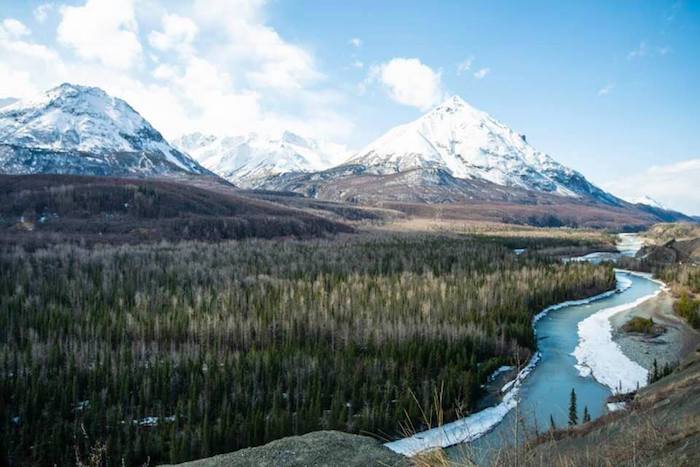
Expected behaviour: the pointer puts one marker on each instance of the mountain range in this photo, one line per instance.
(453, 154)
(248, 160)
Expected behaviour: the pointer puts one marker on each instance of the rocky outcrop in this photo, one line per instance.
(316, 449)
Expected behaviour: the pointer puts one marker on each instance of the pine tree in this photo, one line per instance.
(586, 415)
(573, 416)
(654, 374)
(552, 425)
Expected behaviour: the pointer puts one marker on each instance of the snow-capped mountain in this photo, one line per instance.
(75, 129)
(469, 144)
(249, 160)
(648, 201)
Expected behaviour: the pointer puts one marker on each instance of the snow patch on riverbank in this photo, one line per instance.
(616, 406)
(465, 429)
(599, 356)
(480, 423)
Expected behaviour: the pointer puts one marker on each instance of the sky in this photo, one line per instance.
(611, 89)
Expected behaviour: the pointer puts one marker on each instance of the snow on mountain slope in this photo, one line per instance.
(470, 144)
(82, 130)
(249, 160)
(649, 201)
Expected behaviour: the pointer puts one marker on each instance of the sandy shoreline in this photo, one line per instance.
(670, 347)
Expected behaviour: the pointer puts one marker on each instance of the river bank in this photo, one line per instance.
(555, 330)
(677, 340)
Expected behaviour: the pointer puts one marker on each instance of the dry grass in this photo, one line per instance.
(473, 227)
(661, 233)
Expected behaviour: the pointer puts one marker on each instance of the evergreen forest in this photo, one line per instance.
(174, 351)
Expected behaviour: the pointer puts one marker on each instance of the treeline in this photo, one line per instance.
(176, 351)
(685, 279)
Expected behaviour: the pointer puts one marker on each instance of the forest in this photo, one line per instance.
(172, 351)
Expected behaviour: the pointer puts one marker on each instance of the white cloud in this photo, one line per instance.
(103, 30)
(41, 12)
(674, 185)
(165, 72)
(465, 65)
(212, 66)
(248, 43)
(355, 42)
(14, 28)
(409, 82)
(607, 89)
(23, 63)
(358, 64)
(644, 50)
(640, 51)
(178, 33)
(481, 73)
(15, 83)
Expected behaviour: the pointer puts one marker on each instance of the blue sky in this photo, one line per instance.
(608, 88)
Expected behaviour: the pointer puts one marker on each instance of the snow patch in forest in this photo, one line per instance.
(499, 372)
(480, 423)
(153, 421)
(616, 406)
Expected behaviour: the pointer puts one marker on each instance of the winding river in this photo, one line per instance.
(543, 388)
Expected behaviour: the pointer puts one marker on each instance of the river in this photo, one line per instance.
(543, 390)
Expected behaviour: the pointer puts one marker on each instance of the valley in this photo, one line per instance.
(208, 332)
(166, 302)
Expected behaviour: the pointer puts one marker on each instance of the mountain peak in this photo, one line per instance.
(70, 91)
(71, 87)
(469, 144)
(455, 101)
(455, 104)
(81, 129)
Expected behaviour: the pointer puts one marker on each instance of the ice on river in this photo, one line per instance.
(479, 423)
(598, 355)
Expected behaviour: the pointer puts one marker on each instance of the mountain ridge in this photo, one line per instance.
(248, 160)
(469, 144)
(75, 129)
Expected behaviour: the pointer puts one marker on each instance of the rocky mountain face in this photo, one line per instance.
(82, 130)
(455, 152)
(249, 160)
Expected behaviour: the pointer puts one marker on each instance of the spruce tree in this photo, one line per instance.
(654, 374)
(573, 417)
(586, 415)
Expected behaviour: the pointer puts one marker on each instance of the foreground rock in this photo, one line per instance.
(317, 449)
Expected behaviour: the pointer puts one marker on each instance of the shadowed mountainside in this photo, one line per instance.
(38, 208)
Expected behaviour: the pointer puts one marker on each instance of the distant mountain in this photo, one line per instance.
(82, 130)
(453, 152)
(5, 101)
(249, 160)
(648, 201)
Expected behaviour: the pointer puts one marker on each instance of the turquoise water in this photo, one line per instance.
(546, 390)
